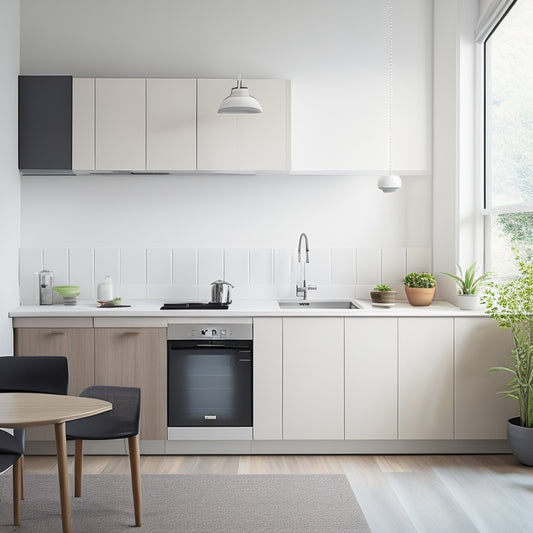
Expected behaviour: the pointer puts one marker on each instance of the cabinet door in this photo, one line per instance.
(120, 124)
(313, 378)
(371, 377)
(425, 378)
(136, 357)
(83, 123)
(45, 122)
(268, 378)
(480, 412)
(243, 142)
(170, 124)
(77, 344)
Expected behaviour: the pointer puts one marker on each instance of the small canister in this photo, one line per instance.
(105, 290)
(46, 282)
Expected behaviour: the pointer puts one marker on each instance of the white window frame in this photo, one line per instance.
(491, 18)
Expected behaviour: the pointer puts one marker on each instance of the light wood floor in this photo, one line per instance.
(416, 493)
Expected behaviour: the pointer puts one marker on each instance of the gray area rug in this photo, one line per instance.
(190, 503)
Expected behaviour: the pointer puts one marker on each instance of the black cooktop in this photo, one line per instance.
(194, 305)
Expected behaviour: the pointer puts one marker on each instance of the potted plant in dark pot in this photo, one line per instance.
(510, 303)
(383, 295)
(419, 288)
(468, 286)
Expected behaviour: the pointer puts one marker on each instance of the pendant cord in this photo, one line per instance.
(390, 86)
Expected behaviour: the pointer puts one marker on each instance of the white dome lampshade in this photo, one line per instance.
(240, 102)
(390, 183)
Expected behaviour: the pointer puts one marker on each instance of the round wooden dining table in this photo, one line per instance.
(25, 409)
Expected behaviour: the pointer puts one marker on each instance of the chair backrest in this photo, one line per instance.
(126, 406)
(34, 373)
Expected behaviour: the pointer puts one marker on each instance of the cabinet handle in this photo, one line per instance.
(132, 332)
(57, 333)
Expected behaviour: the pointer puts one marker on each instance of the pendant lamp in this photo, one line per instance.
(390, 182)
(240, 102)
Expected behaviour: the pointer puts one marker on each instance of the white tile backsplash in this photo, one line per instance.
(159, 266)
(178, 274)
(30, 263)
(419, 260)
(237, 266)
(81, 270)
(56, 259)
(261, 266)
(210, 265)
(106, 263)
(132, 266)
(184, 266)
(368, 266)
(318, 270)
(343, 266)
(393, 265)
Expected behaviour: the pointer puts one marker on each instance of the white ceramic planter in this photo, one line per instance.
(468, 302)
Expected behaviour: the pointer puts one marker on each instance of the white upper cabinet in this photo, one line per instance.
(120, 124)
(83, 123)
(170, 124)
(244, 142)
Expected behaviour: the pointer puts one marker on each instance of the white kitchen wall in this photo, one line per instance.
(337, 48)
(186, 273)
(9, 176)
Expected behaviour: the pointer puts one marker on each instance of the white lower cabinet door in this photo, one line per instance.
(425, 378)
(480, 411)
(313, 378)
(371, 378)
(268, 378)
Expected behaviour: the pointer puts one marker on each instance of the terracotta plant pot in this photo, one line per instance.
(418, 296)
(383, 297)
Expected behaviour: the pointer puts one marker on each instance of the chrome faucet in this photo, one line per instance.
(302, 290)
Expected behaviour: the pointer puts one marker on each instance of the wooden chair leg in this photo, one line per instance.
(22, 477)
(78, 467)
(16, 491)
(135, 467)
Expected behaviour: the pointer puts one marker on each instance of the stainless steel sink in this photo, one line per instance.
(317, 304)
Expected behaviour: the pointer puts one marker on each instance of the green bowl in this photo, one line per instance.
(67, 290)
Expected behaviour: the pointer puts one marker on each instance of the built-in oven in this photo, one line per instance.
(210, 380)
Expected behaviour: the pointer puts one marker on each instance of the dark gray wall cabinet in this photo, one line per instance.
(45, 124)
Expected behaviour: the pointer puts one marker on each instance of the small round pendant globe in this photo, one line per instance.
(389, 183)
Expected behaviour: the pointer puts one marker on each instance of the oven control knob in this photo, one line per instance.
(213, 332)
(206, 332)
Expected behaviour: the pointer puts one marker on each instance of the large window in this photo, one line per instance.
(509, 137)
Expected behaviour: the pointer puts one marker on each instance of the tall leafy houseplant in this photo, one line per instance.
(510, 303)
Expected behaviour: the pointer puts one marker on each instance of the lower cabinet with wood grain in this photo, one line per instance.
(132, 357)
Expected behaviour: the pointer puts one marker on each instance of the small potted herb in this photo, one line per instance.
(419, 288)
(383, 295)
(468, 286)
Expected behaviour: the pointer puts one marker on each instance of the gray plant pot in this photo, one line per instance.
(521, 441)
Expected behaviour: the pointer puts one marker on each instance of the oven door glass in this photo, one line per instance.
(209, 386)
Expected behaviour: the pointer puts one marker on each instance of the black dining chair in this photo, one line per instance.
(33, 373)
(11, 450)
(122, 422)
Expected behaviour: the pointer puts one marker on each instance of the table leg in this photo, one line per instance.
(62, 469)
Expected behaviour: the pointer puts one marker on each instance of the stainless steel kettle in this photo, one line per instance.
(221, 292)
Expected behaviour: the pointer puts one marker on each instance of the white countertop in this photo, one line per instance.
(246, 307)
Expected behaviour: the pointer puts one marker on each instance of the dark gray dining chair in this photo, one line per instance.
(33, 373)
(122, 422)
